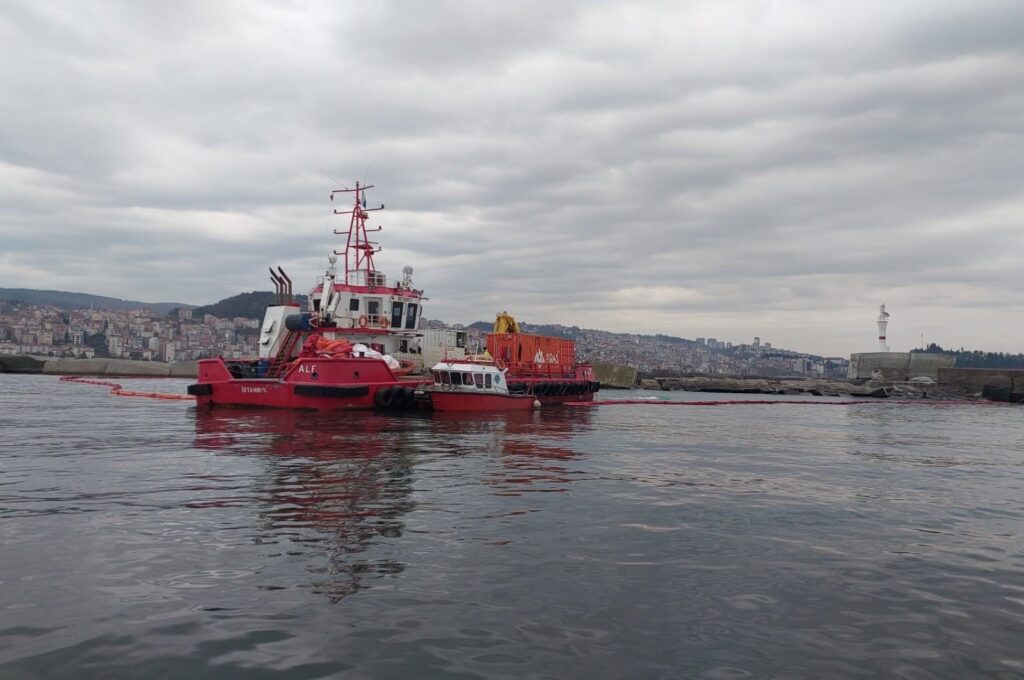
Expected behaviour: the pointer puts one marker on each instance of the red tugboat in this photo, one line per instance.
(360, 345)
(353, 350)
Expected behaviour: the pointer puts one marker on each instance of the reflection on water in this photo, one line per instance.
(328, 484)
(335, 484)
(145, 539)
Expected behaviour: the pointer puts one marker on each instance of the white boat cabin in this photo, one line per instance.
(469, 378)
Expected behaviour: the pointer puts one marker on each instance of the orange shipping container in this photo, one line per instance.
(535, 349)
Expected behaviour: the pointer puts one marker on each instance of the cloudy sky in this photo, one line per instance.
(719, 168)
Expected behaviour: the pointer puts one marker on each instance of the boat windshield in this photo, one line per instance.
(482, 380)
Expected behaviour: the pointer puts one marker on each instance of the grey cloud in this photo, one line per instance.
(704, 168)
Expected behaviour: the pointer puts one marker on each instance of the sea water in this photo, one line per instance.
(149, 539)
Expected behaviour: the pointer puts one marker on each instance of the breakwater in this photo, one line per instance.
(815, 387)
(109, 367)
(614, 375)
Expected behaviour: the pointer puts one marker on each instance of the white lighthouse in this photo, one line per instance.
(883, 321)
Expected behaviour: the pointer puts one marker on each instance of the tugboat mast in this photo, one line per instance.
(359, 250)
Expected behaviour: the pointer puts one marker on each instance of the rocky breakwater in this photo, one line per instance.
(814, 387)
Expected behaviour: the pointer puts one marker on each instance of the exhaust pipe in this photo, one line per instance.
(278, 285)
(288, 285)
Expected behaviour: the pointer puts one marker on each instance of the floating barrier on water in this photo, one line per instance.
(772, 402)
(118, 390)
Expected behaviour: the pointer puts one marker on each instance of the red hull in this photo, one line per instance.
(318, 384)
(467, 401)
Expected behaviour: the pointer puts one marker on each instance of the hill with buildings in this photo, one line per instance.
(67, 300)
(74, 324)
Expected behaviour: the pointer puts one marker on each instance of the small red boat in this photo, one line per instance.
(474, 386)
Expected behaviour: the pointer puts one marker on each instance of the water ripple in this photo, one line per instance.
(152, 540)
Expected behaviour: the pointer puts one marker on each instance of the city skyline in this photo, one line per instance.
(722, 169)
(140, 334)
(125, 306)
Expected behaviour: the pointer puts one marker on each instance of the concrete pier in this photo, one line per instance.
(99, 367)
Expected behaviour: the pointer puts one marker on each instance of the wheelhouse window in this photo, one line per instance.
(460, 340)
(456, 378)
(353, 305)
(478, 378)
(373, 310)
(410, 315)
(396, 314)
(487, 381)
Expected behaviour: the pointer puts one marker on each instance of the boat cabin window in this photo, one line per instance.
(460, 340)
(410, 317)
(478, 378)
(353, 305)
(396, 314)
(456, 378)
(487, 381)
(373, 309)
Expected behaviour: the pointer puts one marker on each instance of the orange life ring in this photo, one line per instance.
(363, 321)
(383, 322)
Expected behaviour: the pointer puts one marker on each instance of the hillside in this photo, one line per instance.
(67, 300)
(248, 305)
(576, 333)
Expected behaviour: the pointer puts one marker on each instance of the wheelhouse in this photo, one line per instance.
(468, 377)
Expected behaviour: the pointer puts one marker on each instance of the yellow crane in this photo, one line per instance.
(504, 323)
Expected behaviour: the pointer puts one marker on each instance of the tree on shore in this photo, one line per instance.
(977, 359)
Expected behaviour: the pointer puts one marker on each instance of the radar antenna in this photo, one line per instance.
(359, 250)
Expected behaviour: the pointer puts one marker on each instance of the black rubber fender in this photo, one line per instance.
(408, 398)
(383, 397)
